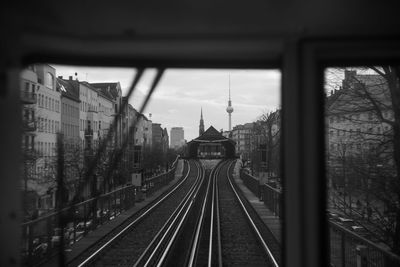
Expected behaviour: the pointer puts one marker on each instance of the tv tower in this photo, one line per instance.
(229, 109)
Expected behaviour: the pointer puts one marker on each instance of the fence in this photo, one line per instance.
(272, 198)
(346, 247)
(349, 249)
(41, 237)
(251, 182)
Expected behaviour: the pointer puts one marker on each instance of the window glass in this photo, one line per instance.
(363, 171)
(239, 111)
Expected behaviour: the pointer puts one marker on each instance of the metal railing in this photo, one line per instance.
(41, 237)
(349, 249)
(155, 183)
(272, 198)
(346, 247)
(251, 182)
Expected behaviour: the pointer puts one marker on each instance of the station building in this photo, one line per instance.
(211, 145)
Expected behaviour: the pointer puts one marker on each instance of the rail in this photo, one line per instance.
(271, 257)
(41, 237)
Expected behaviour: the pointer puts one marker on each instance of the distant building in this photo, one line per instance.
(143, 131)
(177, 137)
(165, 140)
(70, 104)
(227, 134)
(211, 145)
(157, 134)
(242, 135)
(113, 89)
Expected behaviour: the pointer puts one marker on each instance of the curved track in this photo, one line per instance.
(125, 245)
(205, 221)
(224, 229)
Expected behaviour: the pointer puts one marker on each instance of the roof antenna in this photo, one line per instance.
(229, 87)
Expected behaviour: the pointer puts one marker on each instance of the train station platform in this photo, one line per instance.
(272, 221)
(96, 235)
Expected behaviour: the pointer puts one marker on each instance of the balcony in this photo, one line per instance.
(28, 97)
(88, 132)
(29, 125)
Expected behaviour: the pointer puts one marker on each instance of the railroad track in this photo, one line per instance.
(245, 239)
(223, 229)
(212, 224)
(124, 246)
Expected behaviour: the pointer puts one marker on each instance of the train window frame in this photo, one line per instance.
(305, 63)
(301, 62)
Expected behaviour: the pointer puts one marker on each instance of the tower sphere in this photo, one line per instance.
(229, 109)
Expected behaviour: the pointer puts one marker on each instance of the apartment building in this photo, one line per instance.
(355, 125)
(359, 133)
(242, 135)
(41, 117)
(114, 91)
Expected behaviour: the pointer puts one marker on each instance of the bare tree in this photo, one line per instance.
(364, 116)
(267, 134)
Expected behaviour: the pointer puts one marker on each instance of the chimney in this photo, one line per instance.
(331, 92)
(70, 78)
(60, 77)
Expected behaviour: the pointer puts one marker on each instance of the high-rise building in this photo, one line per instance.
(177, 137)
(157, 134)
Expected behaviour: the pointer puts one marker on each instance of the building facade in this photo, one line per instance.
(359, 133)
(177, 137)
(41, 120)
(80, 115)
(73, 160)
(242, 135)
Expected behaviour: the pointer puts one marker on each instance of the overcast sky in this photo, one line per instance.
(181, 94)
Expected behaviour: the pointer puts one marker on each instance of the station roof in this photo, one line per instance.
(211, 135)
